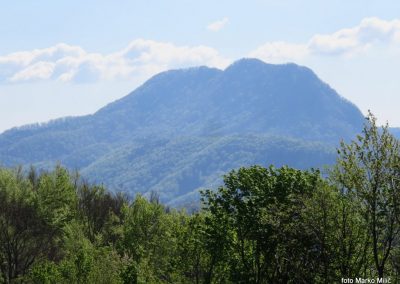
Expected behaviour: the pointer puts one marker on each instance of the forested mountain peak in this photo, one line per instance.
(182, 129)
(249, 96)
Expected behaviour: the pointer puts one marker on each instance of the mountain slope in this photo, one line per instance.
(183, 128)
(175, 167)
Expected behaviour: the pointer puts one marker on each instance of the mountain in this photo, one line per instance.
(182, 129)
(395, 132)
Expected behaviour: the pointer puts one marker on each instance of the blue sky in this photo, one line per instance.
(61, 58)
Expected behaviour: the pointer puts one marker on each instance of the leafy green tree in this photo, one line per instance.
(25, 235)
(200, 255)
(46, 272)
(150, 239)
(56, 197)
(337, 230)
(368, 170)
(101, 212)
(258, 212)
(83, 262)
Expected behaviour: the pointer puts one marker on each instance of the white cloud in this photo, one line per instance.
(139, 60)
(280, 52)
(351, 41)
(345, 42)
(218, 25)
(39, 70)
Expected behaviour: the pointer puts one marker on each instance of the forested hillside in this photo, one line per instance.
(182, 129)
(263, 225)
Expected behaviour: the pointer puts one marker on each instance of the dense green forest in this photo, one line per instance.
(264, 225)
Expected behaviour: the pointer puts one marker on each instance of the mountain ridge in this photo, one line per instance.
(248, 102)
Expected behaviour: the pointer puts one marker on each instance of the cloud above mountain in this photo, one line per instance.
(140, 59)
(369, 33)
(144, 58)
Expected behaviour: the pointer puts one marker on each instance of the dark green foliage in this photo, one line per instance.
(48, 233)
(25, 233)
(101, 212)
(262, 208)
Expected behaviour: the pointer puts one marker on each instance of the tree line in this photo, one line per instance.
(264, 225)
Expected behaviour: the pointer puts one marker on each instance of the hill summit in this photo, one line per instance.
(182, 129)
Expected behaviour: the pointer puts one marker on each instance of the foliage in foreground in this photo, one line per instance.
(265, 225)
